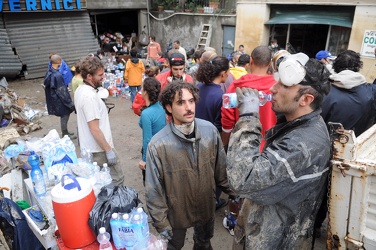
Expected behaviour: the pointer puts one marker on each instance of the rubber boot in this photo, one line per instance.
(71, 135)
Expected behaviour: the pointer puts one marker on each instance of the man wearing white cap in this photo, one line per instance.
(326, 58)
(283, 186)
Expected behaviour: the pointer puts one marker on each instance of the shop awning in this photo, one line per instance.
(327, 15)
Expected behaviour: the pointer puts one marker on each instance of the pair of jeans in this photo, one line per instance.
(134, 90)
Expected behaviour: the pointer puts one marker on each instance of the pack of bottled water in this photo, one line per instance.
(130, 229)
(59, 151)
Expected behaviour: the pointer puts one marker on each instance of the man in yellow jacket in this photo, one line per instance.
(242, 68)
(134, 69)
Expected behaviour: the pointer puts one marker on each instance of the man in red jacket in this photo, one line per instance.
(176, 72)
(257, 79)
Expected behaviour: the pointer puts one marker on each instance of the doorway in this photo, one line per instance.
(228, 40)
(308, 38)
(311, 38)
(112, 21)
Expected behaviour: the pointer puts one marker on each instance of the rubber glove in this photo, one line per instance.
(111, 157)
(248, 100)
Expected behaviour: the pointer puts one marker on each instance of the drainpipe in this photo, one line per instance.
(148, 17)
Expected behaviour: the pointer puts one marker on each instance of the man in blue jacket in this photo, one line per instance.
(58, 99)
(64, 70)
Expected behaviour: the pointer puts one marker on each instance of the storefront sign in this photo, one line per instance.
(369, 44)
(40, 5)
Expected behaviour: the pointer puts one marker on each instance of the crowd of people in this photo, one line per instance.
(275, 157)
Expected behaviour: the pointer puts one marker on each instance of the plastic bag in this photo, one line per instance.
(138, 103)
(143, 39)
(151, 243)
(58, 152)
(111, 199)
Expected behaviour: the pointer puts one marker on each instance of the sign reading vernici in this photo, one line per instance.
(41, 5)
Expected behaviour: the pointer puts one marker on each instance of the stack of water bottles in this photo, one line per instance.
(129, 229)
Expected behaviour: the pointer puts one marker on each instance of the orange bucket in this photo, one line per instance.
(72, 202)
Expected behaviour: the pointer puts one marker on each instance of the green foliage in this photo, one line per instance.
(168, 4)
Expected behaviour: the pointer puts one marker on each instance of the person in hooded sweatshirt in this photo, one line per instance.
(258, 79)
(351, 100)
(58, 99)
(134, 69)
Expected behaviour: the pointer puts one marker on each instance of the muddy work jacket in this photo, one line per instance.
(182, 175)
(283, 186)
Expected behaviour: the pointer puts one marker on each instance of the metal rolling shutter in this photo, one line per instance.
(10, 65)
(35, 35)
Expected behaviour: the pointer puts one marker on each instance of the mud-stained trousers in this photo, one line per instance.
(201, 237)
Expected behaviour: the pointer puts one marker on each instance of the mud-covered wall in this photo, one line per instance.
(186, 27)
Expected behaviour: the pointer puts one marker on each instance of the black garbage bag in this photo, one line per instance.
(111, 199)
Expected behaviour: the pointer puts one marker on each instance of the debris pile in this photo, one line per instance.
(15, 113)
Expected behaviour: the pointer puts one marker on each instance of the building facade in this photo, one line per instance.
(311, 26)
(31, 30)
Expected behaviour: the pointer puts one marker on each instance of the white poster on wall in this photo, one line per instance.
(369, 44)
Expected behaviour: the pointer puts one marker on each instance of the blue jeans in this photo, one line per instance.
(134, 90)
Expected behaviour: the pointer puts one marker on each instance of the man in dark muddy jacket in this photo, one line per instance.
(58, 99)
(283, 186)
(185, 162)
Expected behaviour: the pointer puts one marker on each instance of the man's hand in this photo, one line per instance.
(248, 100)
(166, 234)
(111, 157)
(142, 165)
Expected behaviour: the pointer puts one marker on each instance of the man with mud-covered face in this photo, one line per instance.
(282, 186)
(185, 162)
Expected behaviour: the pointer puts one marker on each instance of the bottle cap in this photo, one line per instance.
(102, 230)
(136, 217)
(125, 216)
(114, 216)
(139, 210)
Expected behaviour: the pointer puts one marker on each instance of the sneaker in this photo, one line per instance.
(230, 230)
(221, 203)
(229, 222)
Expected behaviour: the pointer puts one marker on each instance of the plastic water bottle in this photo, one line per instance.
(106, 169)
(137, 227)
(230, 100)
(86, 155)
(36, 175)
(144, 219)
(96, 167)
(116, 227)
(104, 239)
(129, 235)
